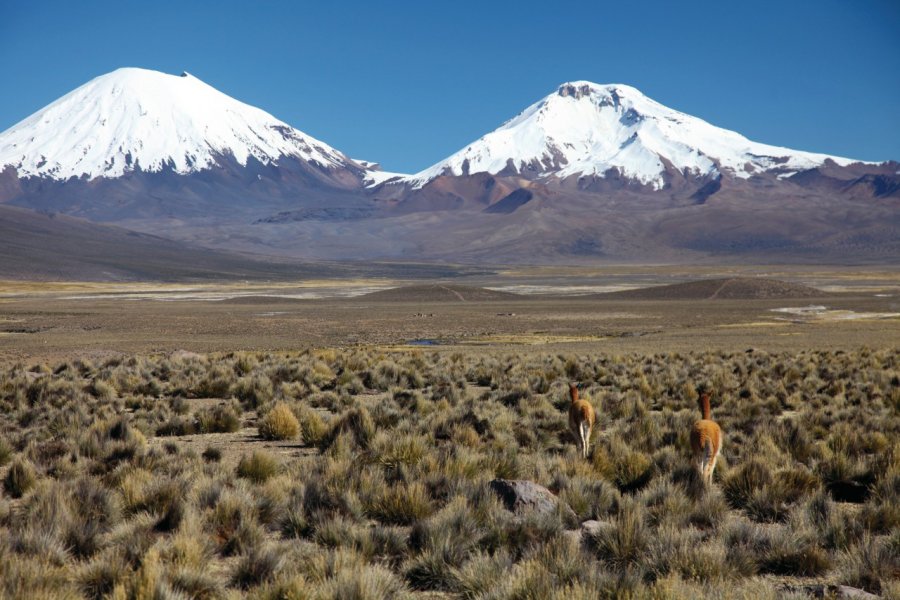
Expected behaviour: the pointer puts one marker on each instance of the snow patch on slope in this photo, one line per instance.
(586, 129)
(137, 119)
(375, 176)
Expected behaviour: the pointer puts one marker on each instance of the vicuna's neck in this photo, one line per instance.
(704, 406)
(573, 393)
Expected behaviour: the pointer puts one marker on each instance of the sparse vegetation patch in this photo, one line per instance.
(370, 476)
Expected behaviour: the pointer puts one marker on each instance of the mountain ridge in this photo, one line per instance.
(590, 173)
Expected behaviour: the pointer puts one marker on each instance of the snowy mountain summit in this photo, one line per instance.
(589, 173)
(142, 120)
(586, 129)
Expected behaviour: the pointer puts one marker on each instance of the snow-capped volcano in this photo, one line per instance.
(588, 173)
(586, 129)
(142, 120)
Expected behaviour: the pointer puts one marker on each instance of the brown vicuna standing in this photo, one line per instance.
(581, 420)
(706, 441)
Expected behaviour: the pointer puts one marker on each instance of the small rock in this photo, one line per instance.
(591, 527)
(845, 591)
(821, 590)
(185, 355)
(522, 496)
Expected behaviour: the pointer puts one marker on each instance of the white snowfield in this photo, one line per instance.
(374, 178)
(587, 129)
(140, 119)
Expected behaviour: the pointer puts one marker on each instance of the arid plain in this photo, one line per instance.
(556, 309)
(344, 438)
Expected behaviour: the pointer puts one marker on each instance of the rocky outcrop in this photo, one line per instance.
(576, 91)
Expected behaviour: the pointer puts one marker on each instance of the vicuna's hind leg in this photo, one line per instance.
(710, 469)
(700, 469)
(585, 440)
(578, 440)
(706, 466)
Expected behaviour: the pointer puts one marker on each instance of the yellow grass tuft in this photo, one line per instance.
(279, 424)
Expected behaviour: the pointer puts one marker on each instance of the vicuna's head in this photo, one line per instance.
(573, 392)
(703, 402)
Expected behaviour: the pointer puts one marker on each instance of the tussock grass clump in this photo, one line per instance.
(257, 565)
(480, 574)
(254, 391)
(212, 454)
(98, 578)
(357, 423)
(686, 553)
(773, 500)
(216, 383)
(234, 524)
(279, 423)
(313, 428)
(400, 504)
(196, 584)
(20, 478)
(627, 469)
(177, 425)
(881, 513)
(170, 507)
(258, 466)
(6, 452)
(371, 582)
(743, 482)
(873, 564)
(219, 419)
(624, 541)
(797, 553)
(95, 511)
(443, 542)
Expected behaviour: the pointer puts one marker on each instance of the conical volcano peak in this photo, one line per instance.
(141, 120)
(584, 129)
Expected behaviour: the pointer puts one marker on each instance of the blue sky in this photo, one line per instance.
(407, 83)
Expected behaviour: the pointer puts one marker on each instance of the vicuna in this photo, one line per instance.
(581, 420)
(706, 441)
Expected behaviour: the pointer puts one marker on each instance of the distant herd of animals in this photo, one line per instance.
(706, 435)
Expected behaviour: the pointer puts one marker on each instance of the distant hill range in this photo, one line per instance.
(590, 173)
(439, 292)
(41, 246)
(735, 288)
(48, 246)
